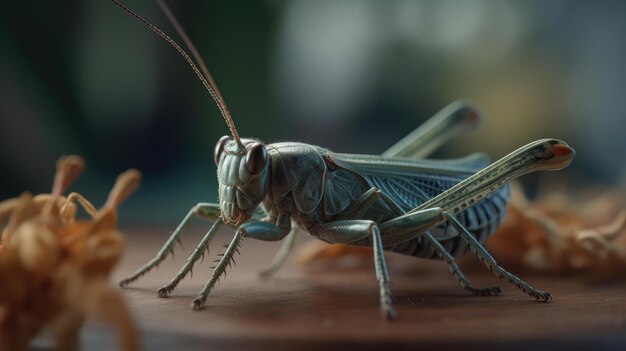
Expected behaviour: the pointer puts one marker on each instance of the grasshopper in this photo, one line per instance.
(396, 201)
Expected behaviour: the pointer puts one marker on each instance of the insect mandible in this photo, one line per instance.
(396, 201)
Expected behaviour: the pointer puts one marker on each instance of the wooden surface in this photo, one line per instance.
(338, 309)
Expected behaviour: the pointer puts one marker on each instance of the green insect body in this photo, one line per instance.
(398, 201)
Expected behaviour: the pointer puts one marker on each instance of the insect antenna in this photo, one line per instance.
(206, 78)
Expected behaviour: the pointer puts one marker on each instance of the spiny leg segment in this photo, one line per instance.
(206, 210)
(484, 256)
(195, 255)
(457, 273)
(225, 261)
(547, 154)
(445, 255)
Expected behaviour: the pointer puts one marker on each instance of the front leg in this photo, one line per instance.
(205, 210)
(260, 230)
(268, 231)
(164, 291)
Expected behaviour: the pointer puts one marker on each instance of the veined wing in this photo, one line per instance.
(409, 182)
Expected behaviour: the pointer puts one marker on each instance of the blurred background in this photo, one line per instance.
(82, 77)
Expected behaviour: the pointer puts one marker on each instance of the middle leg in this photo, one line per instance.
(354, 230)
(281, 256)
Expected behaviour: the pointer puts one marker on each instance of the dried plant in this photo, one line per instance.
(562, 232)
(54, 268)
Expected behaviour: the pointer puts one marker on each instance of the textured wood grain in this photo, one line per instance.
(339, 310)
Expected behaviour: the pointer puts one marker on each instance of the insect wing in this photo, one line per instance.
(410, 182)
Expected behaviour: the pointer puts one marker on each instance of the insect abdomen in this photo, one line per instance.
(481, 220)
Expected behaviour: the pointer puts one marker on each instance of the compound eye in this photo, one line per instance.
(219, 147)
(256, 158)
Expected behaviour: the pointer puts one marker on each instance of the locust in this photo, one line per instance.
(397, 201)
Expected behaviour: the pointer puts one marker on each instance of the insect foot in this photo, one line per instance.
(389, 312)
(165, 291)
(198, 303)
(124, 283)
(541, 296)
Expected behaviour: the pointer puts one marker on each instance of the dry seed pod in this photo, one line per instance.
(54, 268)
(38, 247)
(104, 241)
(69, 208)
(554, 234)
(125, 184)
(96, 243)
(24, 210)
(68, 169)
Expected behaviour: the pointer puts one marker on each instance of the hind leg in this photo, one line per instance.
(455, 119)
(406, 227)
(409, 226)
(491, 263)
(457, 273)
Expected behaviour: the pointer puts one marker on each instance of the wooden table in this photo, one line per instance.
(338, 309)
